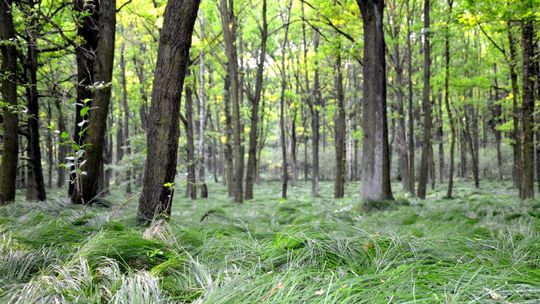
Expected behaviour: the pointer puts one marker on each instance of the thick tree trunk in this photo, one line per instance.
(527, 179)
(8, 72)
(340, 132)
(375, 156)
(426, 105)
(97, 124)
(85, 54)
(255, 99)
(163, 125)
(228, 20)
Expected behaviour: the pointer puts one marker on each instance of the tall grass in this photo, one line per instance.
(478, 248)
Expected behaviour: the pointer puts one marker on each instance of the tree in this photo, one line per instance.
(375, 154)
(282, 132)
(426, 106)
(340, 130)
(449, 110)
(162, 136)
(8, 77)
(202, 117)
(527, 44)
(228, 20)
(99, 107)
(251, 171)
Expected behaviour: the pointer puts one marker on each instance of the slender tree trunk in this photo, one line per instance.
(228, 151)
(426, 104)
(449, 109)
(37, 184)
(191, 187)
(340, 131)
(126, 110)
(283, 134)
(62, 149)
(8, 72)
(375, 154)
(315, 108)
(440, 137)
(469, 114)
(163, 125)
(255, 99)
(516, 135)
(410, 96)
(50, 147)
(401, 135)
(527, 43)
(228, 20)
(202, 118)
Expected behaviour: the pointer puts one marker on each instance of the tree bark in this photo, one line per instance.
(375, 154)
(283, 134)
(527, 42)
(191, 187)
(163, 126)
(449, 109)
(516, 135)
(125, 107)
(8, 72)
(255, 100)
(36, 188)
(340, 131)
(97, 123)
(410, 96)
(202, 119)
(315, 108)
(426, 105)
(228, 20)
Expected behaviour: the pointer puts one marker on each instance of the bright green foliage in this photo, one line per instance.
(481, 247)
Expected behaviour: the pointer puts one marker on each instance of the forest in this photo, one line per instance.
(255, 151)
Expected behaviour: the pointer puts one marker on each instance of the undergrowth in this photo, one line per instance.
(481, 247)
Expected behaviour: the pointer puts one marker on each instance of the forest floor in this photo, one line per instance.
(481, 247)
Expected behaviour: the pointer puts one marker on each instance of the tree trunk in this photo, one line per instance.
(97, 124)
(527, 42)
(8, 70)
(516, 135)
(163, 125)
(62, 148)
(255, 99)
(449, 109)
(37, 184)
(191, 187)
(228, 20)
(426, 105)
(283, 134)
(375, 154)
(125, 106)
(202, 119)
(340, 131)
(228, 151)
(401, 135)
(85, 54)
(410, 103)
(315, 108)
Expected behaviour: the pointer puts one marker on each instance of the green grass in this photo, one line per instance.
(481, 247)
